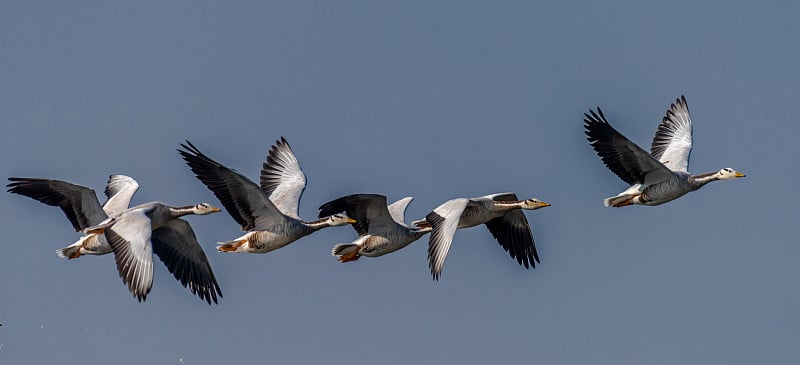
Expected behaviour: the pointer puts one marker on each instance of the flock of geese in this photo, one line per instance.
(267, 211)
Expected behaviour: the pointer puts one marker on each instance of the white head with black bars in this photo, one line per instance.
(204, 208)
(533, 204)
(339, 220)
(729, 174)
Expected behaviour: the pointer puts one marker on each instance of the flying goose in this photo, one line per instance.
(661, 175)
(69, 198)
(502, 215)
(172, 239)
(135, 233)
(269, 213)
(381, 229)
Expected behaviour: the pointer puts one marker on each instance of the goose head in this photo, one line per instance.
(204, 208)
(729, 174)
(339, 220)
(534, 204)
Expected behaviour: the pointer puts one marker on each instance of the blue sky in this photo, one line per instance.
(434, 100)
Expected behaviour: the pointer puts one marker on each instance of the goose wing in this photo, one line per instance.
(513, 233)
(119, 192)
(282, 179)
(623, 157)
(78, 202)
(672, 143)
(129, 238)
(242, 198)
(176, 245)
(444, 221)
(398, 210)
(369, 211)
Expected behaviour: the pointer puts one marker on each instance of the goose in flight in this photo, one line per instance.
(131, 233)
(135, 233)
(501, 213)
(68, 197)
(661, 175)
(380, 229)
(268, 213)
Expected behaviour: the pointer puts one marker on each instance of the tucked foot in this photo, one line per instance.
(231, 246)
(623, 203)
(349, 257)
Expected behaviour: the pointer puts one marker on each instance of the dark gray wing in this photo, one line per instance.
(513, 233)
(282, 179)
(242, 198)
(623, 157)
(369, 211)
(176, 245)
(78, 202)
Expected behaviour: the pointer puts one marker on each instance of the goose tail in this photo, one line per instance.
(346, 252)
(70, 252)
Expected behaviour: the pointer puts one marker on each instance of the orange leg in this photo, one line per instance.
(231, 247)
(349, 257)
(626, 202)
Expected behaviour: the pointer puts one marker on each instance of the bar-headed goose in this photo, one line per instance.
(269, 213)
(116, 228)
(661, 175)
(135, 233)
(77, 203)
(381, 229)
(502, 215)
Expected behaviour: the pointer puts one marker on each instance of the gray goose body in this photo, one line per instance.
(81, 206)
(269, 212)
(656, 177)
(381, 228)
(503, 216)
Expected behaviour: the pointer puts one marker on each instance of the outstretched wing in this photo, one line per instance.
(282, 179)
(119, 192)
(398, 210)
(129, 238)
(369, 211)
(672, 143)
(444, 220)
(78, 202)
(176, 245)
(513, 233)
(242, 198)
(623, 157)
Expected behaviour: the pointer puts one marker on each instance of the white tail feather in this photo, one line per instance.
(68, 251)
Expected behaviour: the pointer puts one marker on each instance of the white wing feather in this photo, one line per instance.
(398, 209)
(444, 220)
(119, 191)
(129, 237)
(282, 179)
(672, 143)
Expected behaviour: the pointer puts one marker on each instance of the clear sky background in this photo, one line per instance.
(431, 99)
